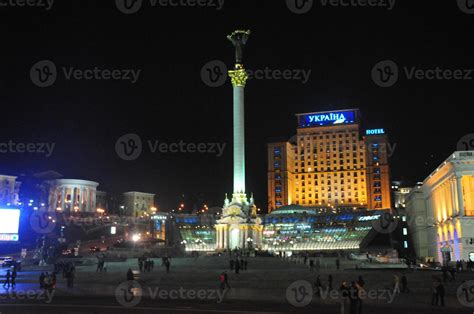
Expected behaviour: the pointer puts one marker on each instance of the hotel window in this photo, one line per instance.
(405, 231)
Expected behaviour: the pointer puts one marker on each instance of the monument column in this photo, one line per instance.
(239, 78)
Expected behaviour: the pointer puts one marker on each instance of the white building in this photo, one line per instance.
(73, 195)
(443, 216)
(138, 203)
(9, 190)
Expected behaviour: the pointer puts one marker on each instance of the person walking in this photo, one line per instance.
(360, 281)
(237, 267)
(130, 275)
(41, 280)
(452, 272)
(53, 280)
(104, 266)
(344, 297)
(338, 263)
(226, 280)
(318, 285)
(245, 264)
(311, 264)
(231, 264)
(330, 282)
(354, 298)
(13, 278)
(404, 284)
(440, 292)
(167, 265)
(434, 292)
(7, 279)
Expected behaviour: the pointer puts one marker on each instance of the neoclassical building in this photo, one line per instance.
(73, 195)
(444, 217)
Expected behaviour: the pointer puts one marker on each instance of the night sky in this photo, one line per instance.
(170, 101)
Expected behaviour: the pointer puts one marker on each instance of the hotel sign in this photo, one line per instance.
(374, 132)
(327, 118)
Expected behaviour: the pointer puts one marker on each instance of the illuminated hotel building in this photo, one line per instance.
(441, 213)
(330, 162)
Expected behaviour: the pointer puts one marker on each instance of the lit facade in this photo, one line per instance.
(138, 203)
(72, 195)
(448, 204)
(330, 163)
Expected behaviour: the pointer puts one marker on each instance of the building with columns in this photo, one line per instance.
(73, 196)
(447, 202)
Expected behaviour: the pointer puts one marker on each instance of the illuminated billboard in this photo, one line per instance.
(316, 119)
(9, 225)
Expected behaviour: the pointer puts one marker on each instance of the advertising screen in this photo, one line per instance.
(9, 224)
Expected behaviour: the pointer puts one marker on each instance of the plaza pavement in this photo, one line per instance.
(263, 287)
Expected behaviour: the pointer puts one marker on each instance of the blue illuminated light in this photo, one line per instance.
(327, 118)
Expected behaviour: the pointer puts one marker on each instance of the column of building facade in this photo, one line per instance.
(460, 195)
(225, 246)
(218, 235)
(453, 197)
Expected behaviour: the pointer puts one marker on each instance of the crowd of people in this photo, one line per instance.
(10, 279)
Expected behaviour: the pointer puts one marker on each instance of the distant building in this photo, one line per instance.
(9, 190)
(101, 200)
(443, 213)
(400, 193)
(331, 162)
(138, 203)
